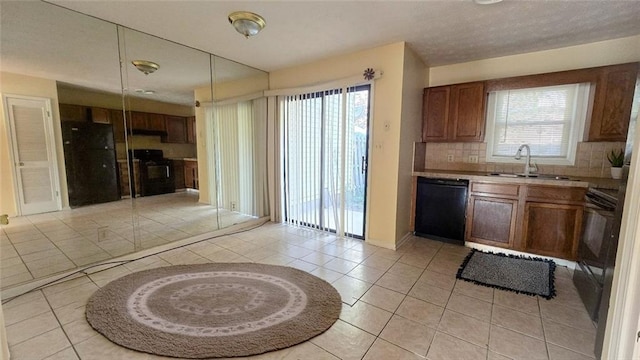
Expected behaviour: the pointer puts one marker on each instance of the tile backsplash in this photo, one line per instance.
(591, 159)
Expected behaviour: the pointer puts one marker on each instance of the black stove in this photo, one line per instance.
(156, 172)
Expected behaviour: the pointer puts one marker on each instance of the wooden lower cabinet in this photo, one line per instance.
(178, 170)
(125, 178)
(552, 229)
(492, 221)
(538, 219)
(191, 174)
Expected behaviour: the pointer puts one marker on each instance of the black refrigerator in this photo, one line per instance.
(90, 161)
(615, 232)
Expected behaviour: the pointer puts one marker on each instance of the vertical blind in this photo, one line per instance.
(319, 179)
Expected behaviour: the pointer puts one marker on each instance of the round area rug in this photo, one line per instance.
(214, 310)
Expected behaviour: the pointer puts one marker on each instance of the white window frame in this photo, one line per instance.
(576, 133)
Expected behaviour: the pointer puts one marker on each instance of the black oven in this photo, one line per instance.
(156, 172)
(593, 248)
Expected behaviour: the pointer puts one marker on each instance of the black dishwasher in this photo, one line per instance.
(441, 206)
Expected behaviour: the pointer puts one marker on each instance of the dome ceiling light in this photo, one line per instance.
(147, 67)
(247, 23)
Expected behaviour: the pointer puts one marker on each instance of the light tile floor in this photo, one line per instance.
(35, 246)
(403, 304)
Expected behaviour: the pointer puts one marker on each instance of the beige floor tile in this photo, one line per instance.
(365, 273)
(465, 327)
(24, 310)
(366, 317)
(569, 337)
(378, 262)
(317, 258)
(447, 267)
(383, 350)
(340, 265)
(408, 335)
(66, 354)
(560, 353)
(99, 348)
(396, 283)
(383, 298)
(77, 294)
(436, 279)
(326, 274)
(420, 311)
(470, 306)
(446, 347)
(66, 285)
(417, 260)
(517, 321)
(71, 312)
(351, 289)
(495, 356)
(566, 315)
(430, 293)
(520, 302)
(515, 345)
(473, 290)
(78, 331)
(303, 265)
(306, 350)
(344, 341)
(41, 346)
(405, 270)
(26, 329)
(16, 279)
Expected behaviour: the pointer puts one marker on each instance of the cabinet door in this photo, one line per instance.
(100, 115)
(467, 112)
(176, 129)
(435, 113)
(73, 112)
(492, 221)
(124, 178)
(188, 175)
(552, 229)
(156, 122)
(117, 120)
(612, 103)
(191, 130)
(138, 120)
(178, 170)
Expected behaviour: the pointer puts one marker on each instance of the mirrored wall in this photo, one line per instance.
(152, 142)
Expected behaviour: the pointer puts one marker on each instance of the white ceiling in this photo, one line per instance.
(441, 32)
(49, 41)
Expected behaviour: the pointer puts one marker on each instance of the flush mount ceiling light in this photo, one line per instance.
(145, 92)
(247, 23)
(147, 67)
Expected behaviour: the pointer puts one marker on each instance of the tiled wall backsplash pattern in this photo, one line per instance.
(591, 159)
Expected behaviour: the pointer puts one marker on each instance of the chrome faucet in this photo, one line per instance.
(527, 164)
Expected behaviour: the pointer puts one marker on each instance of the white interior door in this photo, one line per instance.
(34, 157)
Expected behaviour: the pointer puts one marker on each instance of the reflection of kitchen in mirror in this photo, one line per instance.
(128, 162)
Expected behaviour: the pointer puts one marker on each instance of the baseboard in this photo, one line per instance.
(379, 243)
(404, 239)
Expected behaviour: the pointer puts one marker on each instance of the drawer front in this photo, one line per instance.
(555, 193)
(495, 189)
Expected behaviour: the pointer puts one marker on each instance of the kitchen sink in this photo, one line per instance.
(533, 176)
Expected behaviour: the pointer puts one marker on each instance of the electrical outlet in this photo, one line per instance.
(102, 233)
(473, 159)
(233, 205)
(450, 158)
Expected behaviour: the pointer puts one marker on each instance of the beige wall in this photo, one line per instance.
(14, 84)
(601, 53)
(410, 132)
(387, 109)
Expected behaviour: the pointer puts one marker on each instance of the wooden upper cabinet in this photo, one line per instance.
(612, 102)
(176, 129)
(156, 122)
(191, 129)
(73, 112)
(139, 120)
(117, 120)
(454, 113)
(435, 113)
(467, 112)
(100, 115)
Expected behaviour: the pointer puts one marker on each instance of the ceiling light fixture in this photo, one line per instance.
(145, 92)
(486, 2)
(247, 23)
(147, 67)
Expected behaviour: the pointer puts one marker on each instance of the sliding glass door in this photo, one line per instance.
(325, 146)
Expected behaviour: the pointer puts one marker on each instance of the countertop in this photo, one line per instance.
(184, 159)
(573, 181)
